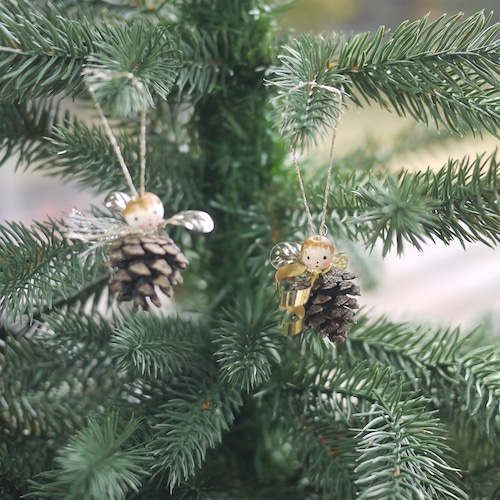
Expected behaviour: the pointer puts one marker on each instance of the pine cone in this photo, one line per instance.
(144, 262)
(330, 308)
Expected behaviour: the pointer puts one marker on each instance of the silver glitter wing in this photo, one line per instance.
(116, 202)
(194, 220)
(94, 229)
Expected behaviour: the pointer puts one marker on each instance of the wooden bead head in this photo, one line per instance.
(317, 252)
(144, 211)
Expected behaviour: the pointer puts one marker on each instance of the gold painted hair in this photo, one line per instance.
(142, 202)
(315, 242)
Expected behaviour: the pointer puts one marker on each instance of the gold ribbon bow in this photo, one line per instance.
(293, 301)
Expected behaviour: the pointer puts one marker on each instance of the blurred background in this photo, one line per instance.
(443, 284)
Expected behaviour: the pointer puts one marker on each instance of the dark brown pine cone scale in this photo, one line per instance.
(142, 263)
(331, 307)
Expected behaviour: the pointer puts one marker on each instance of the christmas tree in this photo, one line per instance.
(205, 397)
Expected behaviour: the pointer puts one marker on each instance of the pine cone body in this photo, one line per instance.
(330, 307)
(142, 263)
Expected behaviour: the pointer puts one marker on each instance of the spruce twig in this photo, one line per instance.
(445, 71)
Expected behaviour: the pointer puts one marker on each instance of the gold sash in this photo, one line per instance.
(293, 301)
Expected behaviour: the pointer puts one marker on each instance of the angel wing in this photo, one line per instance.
(94, 229)
(284, 253)
(340, 260)
(193, 220)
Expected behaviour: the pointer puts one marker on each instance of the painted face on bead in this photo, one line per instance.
(144, 211)
(317, 252)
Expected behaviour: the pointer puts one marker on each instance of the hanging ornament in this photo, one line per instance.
(315, 289)
(143, 257)
(318, 291)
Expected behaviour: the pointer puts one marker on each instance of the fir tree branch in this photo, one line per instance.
(460, 385)
(372, 399)
(459, 201)
(397, 210)
(202, 71)
(188, 426)
(140, 50)
(90, 295)
(50, 376)
(306, 106)
(37, 266)
(49, 50)
(216, 58)
(22, 127)
(419, 354)
(24, 458)
(41, 51)
(98, 462)
(326, 451)
(74, 330)
(471, 404)
(403, 454)
(444, 71)
(484, 483)
(154, 347)
(82, 152)
(29, 405)
(248, 343)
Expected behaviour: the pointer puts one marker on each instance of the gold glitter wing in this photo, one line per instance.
(340, 260)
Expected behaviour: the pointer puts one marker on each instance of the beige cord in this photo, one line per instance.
(322, 226)
(112, 138)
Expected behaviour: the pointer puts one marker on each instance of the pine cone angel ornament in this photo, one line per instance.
(145, 260)
(331, 305)
(143, 257)
(144, 263)
(318, 292)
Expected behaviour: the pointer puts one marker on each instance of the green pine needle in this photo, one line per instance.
(471, 402)
(42, 52)
(23, 125)
(459, 201)
(78, 151)
(141, 51)
(98, 462)
(248, 344)
(37, 267)
(402, 212)
(326, 452)
(152, 347)
(445, 71)
(403, 454)
(188, 425)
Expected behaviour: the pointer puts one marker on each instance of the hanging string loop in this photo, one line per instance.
(111, 136)
(322, 230)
